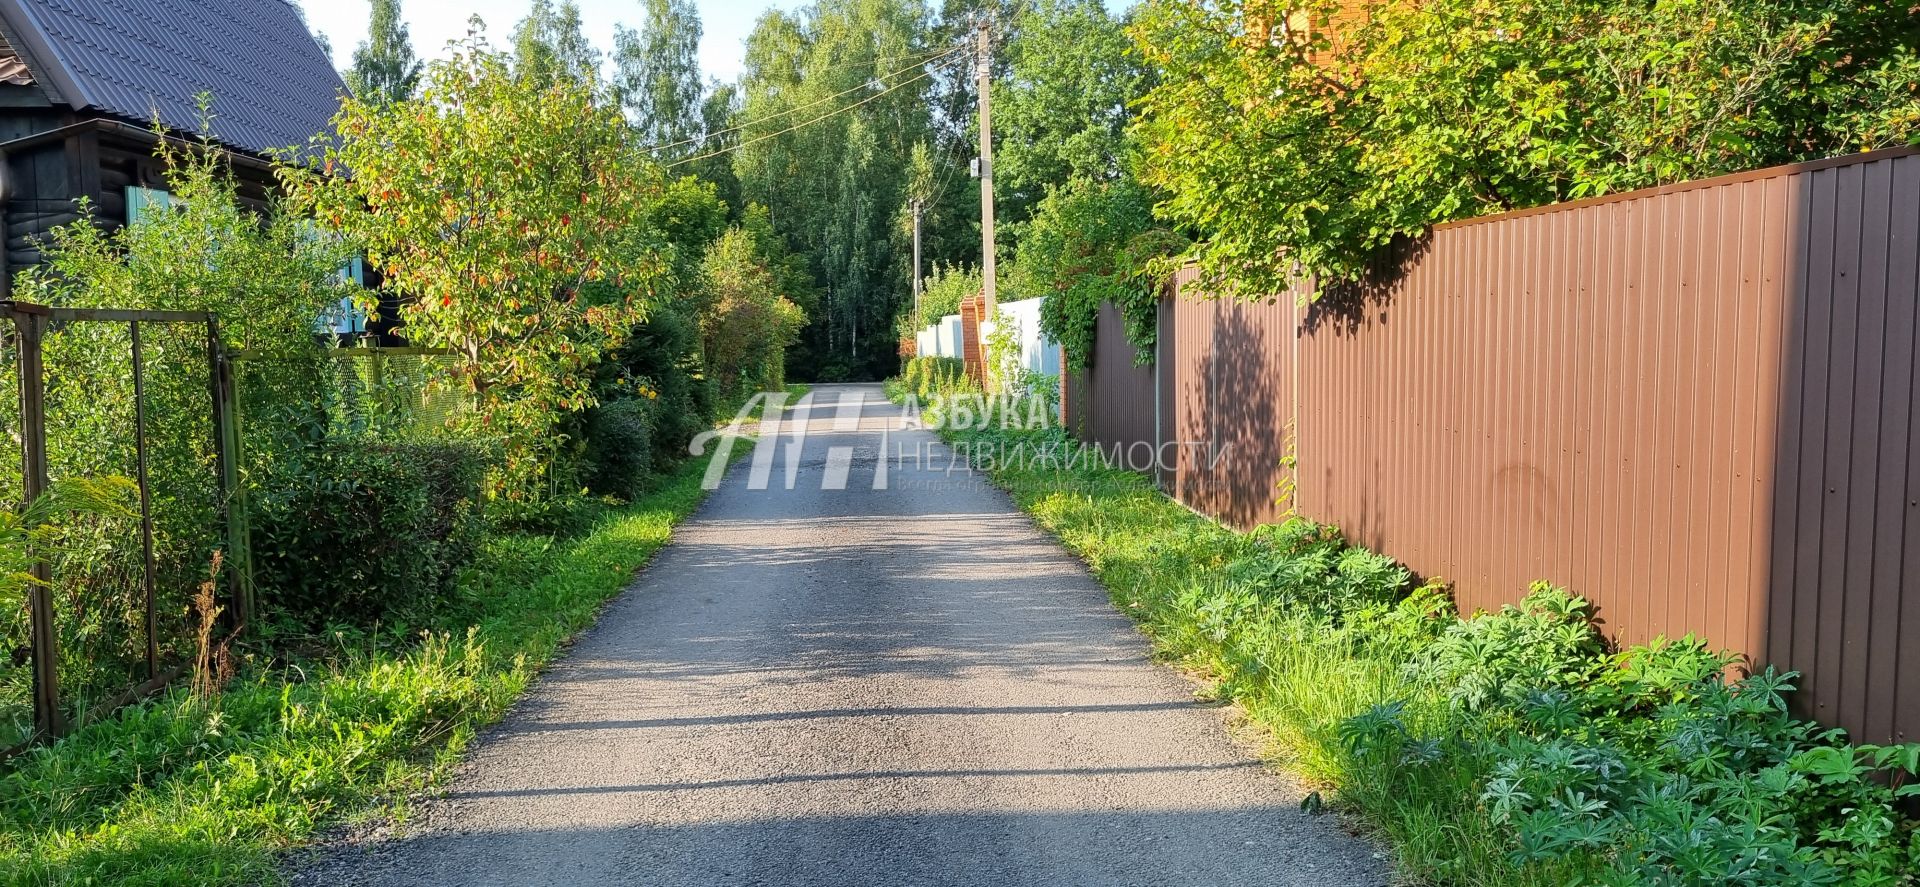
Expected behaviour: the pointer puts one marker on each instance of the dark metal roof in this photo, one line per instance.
(13, 69)
(271, 86)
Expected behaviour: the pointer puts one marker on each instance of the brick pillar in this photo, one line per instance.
(971, 351)
(1065, 374)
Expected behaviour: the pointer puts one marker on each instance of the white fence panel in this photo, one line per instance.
(1038, 354)
(949, 333)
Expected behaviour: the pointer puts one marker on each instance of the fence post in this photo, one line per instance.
(233, 494)
(147, 567)
(31, 321)
(1065, 374)
(971, 349)
(1160, 337)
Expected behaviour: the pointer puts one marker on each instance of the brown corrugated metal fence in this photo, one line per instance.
(1112, 403)
(1693, 405)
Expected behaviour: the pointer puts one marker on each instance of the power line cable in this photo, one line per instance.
(924, 57)
(813, 104)
(838, 111)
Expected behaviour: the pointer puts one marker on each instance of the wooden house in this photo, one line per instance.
(82, 83)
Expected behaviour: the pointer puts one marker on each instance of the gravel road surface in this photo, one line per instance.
(869, 678)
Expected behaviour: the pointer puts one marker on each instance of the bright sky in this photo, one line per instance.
(725, 25)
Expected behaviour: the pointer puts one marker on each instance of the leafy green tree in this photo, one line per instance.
(690, 216)
(1311, 148)
(550, 44)
(747, 323)
(719, 112)
(385, 68)
(792, 273)
(516, 222)
(657, 75)
(1062, 110)
(834, 187)
(946, 287)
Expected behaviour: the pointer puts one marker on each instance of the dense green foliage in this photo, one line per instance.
(940, 296)
(929, 377)
(550, 46)
(45, 520)
(1308, 147)
(661, 365)
(836, 186)
(1079, 226)
(1504, 748)
(747, 324)
(385, 68)
(358, 531)
(517, 223)
(657, 77)
(620, 456)
(1061, 112)
(1085, 228)
(269, 281)
(179, 791)
(1089, 244)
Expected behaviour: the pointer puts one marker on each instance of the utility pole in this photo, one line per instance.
(984, 77)
(916, 259)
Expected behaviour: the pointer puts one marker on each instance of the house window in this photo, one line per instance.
(345, 318)
(142, 202)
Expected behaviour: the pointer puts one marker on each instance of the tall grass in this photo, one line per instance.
(185, 791)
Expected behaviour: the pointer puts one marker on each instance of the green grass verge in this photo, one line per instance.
(1506, 748)
(1148, 550)
(177, 791)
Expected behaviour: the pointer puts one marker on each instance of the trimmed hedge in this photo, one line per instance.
(355, 530)
(620, 448)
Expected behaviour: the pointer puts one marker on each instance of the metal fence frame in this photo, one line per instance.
(31, 324)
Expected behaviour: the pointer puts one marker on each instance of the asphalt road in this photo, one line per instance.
(838, 684)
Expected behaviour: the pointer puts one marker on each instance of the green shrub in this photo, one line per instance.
(1722, 788)
(1308, 568)
(1496, 659)
(356, 530)
(558, 515)
(662, 357)
(619, 454)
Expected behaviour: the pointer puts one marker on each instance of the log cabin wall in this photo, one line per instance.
(47, 181)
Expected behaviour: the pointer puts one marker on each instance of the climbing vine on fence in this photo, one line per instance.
(1090, 243)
